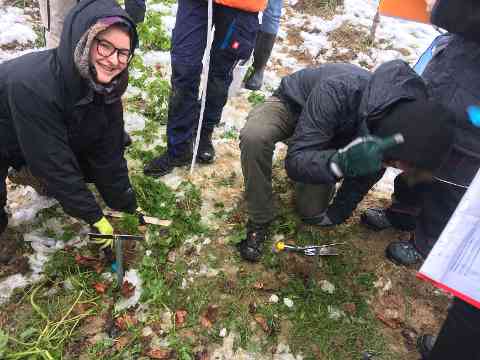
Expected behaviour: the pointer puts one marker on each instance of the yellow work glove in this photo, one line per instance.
(105, 228)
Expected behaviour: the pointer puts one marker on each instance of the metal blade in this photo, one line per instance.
(117, 237)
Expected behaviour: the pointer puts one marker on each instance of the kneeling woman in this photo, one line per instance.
(61, 113)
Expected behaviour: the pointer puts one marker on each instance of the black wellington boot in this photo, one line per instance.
(206, 151)
(165, 163)
(251, 248)
(425, 344)
(263, 49)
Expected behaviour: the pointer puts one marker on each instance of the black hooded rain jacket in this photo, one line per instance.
(53, 122)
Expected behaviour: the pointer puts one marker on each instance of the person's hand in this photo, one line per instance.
(105, 228)
(363, 156)
(136, 9)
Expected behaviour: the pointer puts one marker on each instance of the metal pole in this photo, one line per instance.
(205, 72)
(119, 259)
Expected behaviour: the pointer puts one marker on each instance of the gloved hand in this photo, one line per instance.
(363, 156)
(105, 228)
(136, 9)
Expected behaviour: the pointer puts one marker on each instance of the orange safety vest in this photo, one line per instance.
(246, 5)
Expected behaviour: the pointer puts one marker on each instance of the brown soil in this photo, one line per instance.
(347, 41)
(323, 8)
(12, 259)
(408, 307)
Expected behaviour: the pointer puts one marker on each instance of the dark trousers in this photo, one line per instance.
(3, 186)
(459, 334)
(234, 39)
(428, 207)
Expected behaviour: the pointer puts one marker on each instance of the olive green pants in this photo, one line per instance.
(267, 124)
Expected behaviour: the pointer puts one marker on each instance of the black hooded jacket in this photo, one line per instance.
(337, 103)
(51, 120)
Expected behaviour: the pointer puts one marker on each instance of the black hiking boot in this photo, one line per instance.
(380, 219)
(403, 253)
(263, 49)
(165, 163)
(375, 219)
(206, 151)
(251, 248)
(425, 345)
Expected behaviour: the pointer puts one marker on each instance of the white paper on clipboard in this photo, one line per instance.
(454, 262)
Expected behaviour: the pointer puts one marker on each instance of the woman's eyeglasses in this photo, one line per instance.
(106, 48)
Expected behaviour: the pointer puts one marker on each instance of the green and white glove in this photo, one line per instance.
(363, 156)
(105, 228)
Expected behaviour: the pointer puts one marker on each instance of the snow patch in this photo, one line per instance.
(134, 122)
(15, 28)
(133, 277)
(24, 203)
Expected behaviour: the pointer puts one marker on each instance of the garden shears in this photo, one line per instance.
(309, 250)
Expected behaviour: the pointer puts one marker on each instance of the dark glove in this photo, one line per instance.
(136, 9)
(363, 156)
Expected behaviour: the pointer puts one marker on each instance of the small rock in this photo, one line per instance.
(171, 256)
(166, 321)
(223, 332)
(273, 299)
(327, 286)
(147, 331)
(335, 313)
(288, 302)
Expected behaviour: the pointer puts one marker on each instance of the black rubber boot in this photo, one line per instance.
(165, 163)
(403, 253)
(206, 151)
(376, 219)
(380, 219)
(425, 345)
(263, 49)
(251, 248)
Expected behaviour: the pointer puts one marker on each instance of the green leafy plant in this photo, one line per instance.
(256, 98)
(152, 33)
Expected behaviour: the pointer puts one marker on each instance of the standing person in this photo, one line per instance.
(236, 25)
(53, 13)
(457, 338)
(453, 79)
(264, 43)
(336, 114)
(61, 114)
